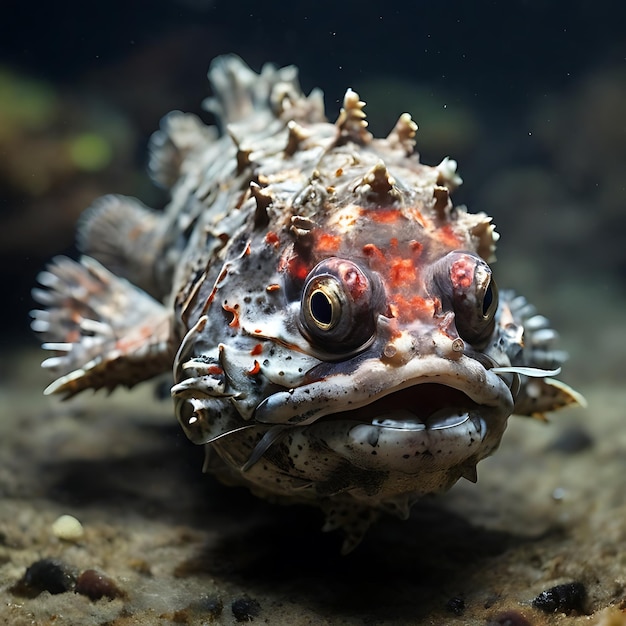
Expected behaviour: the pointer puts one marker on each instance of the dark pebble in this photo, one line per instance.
(565, 598)
(96, 585)
(162, 390)
(456, 605)
(50, 575)
(572, 440)
(245, 609)
(207, 607)
(509, 618)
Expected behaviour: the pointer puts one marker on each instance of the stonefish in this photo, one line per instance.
(334, 330)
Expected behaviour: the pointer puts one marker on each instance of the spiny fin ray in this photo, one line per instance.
(103, 330)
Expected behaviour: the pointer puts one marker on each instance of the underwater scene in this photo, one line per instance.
(336, 416)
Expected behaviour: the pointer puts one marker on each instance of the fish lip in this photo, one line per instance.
(448, 419)
(343, 416)
(353, 395)
(422, 406)
(457, 417)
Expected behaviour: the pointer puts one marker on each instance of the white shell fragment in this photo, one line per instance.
(68, 528)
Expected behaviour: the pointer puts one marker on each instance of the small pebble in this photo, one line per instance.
(208, 606)
(245, 609)
(564, 598)
(96, 585)
(50, 575)
(68, 528)
(509, 618)
(572, 440)
(207, 609)
(456, 605)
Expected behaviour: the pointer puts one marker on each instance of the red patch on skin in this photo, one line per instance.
(234, 323)
(412, 307)
(211, 296)
(291, 263)
(416, 215)
(257, 349)
(256, 368)
(222, 275)
(462, 272)
(384, 216)
(298, 269)
(416, 247)
(402, 272)
(215, 370)
(374, 252)
(272, 238)
(209, 300)
(448, 237)
(327, 242)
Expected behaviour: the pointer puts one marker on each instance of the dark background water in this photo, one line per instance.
(528, 96)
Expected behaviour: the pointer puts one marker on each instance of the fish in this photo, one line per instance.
(330, 318)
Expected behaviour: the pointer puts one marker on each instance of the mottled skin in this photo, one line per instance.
(335, 333)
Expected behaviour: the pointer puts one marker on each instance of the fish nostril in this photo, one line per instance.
(458, 345)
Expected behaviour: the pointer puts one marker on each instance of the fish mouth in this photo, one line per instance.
(427, 416)
(427, 394)
(423, 406)
(424, 427)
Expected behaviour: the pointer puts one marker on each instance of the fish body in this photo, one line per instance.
(330, 317)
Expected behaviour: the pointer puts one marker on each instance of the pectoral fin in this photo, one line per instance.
(103, 330)
(541, 395)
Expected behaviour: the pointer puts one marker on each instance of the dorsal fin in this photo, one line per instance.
(179, 134)
(239, 92)
(246, 102)
(236, 88)
(125, 236)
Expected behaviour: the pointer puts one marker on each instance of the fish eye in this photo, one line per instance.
(475, 305)
(466, 285)
(487, 299)
(338, 308)
(324, 306)
(490, 300)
